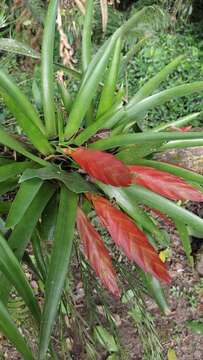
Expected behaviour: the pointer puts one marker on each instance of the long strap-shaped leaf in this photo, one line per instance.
(58, 267)
(22, 232)
(108, 92)
(10, 330)
(87, 33)
(11, 268)
(13, 169)
(128, 139)
(47, 68)
(33, 133)
(134, 110)
(152, 84)
(12, 143)
(20, 100)
(23, 199)
(94, 74)
(147, 197)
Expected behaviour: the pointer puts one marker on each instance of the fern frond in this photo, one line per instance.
(3, 20)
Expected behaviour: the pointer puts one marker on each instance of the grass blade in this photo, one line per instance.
(10, 330)
(155, 290)
(47, 68)
(59, 262)
(185, 238)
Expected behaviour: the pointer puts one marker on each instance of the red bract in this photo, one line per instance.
(182, 129)
(97, 253)
(102, 166)
(165, 184)
(130, 238)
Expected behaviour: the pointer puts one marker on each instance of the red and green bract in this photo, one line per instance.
(130, 238)
(101, 166)
(165, 184)
(97, 253)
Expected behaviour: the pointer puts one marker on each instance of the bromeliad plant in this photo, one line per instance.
(76, 152)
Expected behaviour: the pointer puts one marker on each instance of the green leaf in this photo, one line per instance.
(13, 92)
(16, 47)
(48, 219)
(155, 291)
(100, 123)
(22, 201)
(47, 68)
(151, 85)
(10, 330)
(8, 185)
(73, 181)
(5, 206)
(12, 143)
(134, 110)
(105, 339)
(147, 197)
(131, 153)
(22, 232)
(24, 114)
(196, 326)
(108, 92)
(87, 33)
(65, 96)
(10, 170)
(38, 254)
(140, 138)
(94, 74)
(185, 238)
(180, 122)
(59, 263)
(11, 268)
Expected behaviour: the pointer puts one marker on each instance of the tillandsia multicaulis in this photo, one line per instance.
(60, 166)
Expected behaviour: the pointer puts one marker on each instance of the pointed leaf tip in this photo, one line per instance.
(165, 184)
(130, 238)
(102, 166)
(97, 253)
